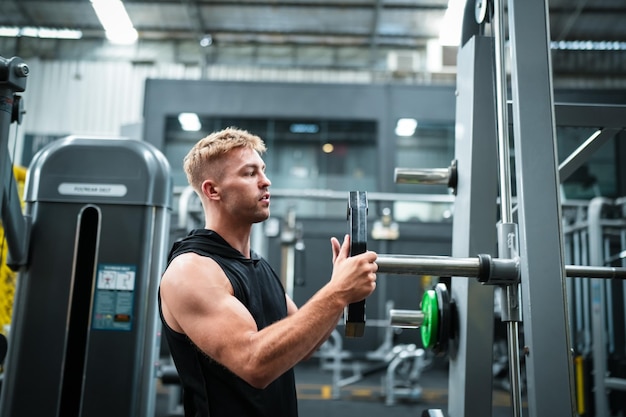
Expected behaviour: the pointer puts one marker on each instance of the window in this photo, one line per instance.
(302, 154)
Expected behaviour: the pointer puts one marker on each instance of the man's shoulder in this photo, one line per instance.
(191, 260)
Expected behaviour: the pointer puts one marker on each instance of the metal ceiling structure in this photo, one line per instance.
(378, 35)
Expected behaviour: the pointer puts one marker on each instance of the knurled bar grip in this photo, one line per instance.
(354, 314)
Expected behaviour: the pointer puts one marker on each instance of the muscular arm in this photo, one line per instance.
(292, 308)
(224, 329)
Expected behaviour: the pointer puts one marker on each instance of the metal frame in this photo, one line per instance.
(600, 311)
(547, 343)
(549, 366)
(14, 72)
(474, 230)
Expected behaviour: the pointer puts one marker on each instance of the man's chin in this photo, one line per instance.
(262, 217)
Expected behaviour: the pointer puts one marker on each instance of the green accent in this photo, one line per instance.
(430, 326)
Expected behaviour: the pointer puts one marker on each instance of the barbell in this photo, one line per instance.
(484, 267)
(434, 319)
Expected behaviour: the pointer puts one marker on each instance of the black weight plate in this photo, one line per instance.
(443, 300)
(354, 316)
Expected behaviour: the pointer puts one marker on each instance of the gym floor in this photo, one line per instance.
(364, 398)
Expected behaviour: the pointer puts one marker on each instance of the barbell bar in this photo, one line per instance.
(428, 176)
(406, 319)
(484, 267)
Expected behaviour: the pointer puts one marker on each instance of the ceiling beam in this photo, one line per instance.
(387, 4)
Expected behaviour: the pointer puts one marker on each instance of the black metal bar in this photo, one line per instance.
(606, 272)
(13, 73)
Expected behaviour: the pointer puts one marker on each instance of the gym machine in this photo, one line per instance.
(13, 75)
(529, 268)
(435, 317)
(89, 248)
(594, 234)
(400, 363)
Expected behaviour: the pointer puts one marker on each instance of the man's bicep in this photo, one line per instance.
(221, 326)
(205, 309)
(224, 332)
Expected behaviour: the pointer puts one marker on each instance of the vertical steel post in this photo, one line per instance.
(475, 216)
(598, 308)
(549, 367)
(507, 230)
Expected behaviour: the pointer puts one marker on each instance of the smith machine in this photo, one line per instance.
(529, 267)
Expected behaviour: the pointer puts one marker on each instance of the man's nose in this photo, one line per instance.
(265, 180)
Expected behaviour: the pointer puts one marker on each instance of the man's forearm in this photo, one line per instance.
(324, 339)
(283, 344)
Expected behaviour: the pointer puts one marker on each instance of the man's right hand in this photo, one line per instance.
(353, 276)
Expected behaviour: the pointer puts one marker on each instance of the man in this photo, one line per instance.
(233, 333)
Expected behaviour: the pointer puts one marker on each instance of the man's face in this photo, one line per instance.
(244, 188)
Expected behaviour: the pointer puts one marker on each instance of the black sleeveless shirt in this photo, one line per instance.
(209, 389)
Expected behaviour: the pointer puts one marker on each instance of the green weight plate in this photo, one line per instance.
(430, 326)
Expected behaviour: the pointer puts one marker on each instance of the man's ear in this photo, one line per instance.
(210, 190)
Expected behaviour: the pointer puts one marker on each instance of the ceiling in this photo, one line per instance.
(361, 34)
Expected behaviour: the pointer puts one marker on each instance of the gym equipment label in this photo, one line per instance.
(85, 189)
(113, 303)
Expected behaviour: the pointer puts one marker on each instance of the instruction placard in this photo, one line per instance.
(115, 293)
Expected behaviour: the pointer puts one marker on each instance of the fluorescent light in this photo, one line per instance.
(10, 32)
(406, 127)
(189, 122)
(30, 32)
(60, 33)
(588, 45)
(33, 32)
(122, 37)
(452, 23)
(115, 21)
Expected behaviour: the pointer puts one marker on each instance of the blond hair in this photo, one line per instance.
(208, 150)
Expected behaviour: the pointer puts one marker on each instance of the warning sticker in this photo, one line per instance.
(115, 292)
